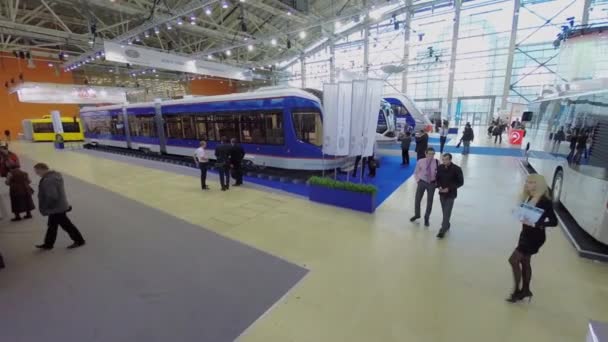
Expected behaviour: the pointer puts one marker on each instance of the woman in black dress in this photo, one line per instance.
(532, 236)
(20, 193)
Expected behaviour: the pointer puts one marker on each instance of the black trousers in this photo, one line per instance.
(497, 138)
(203, 167)
(237, 170)
(224, 172)
(357, 160)
(405, 157)
(61, 220)
(442, 141)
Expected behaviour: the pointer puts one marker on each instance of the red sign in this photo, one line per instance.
(516, 136)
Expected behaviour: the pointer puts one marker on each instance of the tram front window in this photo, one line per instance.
(308, 126)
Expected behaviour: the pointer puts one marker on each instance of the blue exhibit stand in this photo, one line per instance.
(359, 201)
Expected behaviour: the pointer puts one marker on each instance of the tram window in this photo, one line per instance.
(143, 126)
(227, 126)
(43, 127)
(117, 126)
(173, 127)
(70, 127)
(262, 128)
(205, 128)
(188, 127)
(97, 124)
(399, 109)
(308, 126)
(252, 129)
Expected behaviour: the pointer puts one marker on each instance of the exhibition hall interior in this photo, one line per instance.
(304, 170)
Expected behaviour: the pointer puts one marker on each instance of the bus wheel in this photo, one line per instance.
(558, 181)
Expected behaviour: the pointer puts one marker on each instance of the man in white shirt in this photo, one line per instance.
(201, 160)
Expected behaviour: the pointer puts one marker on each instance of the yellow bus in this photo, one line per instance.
(42, 129)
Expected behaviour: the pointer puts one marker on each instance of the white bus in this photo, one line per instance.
(582, 188)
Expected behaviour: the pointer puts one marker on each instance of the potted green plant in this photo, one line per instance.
(360, 197)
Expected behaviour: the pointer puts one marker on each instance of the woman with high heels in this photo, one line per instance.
(20, 193)
(532, 236)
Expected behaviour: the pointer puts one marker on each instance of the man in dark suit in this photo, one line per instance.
(449, 179)
(223, 153)
(236, 159)
(422, 143)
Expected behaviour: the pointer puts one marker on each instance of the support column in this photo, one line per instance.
(510, 55)
(332, 62)
(366, 49)
(303, 70)
(586, 8)
(405, 62)
(452, 68)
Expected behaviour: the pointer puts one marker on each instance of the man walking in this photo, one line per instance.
(426, 176)
(406, 141)
(422, 142)
(236, 159)
(467, 137)
(222, 162)
(201, 160)
(449, 179)
(53, 202)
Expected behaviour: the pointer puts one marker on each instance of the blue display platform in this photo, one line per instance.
(389, 177)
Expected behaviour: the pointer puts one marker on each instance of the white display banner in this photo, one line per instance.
(154, 59)
(345, 93)
(68, 93)
(56, 119)
(357, 120)
(373, 97)
(330, 119)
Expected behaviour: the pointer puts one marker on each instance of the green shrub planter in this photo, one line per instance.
(360, 197)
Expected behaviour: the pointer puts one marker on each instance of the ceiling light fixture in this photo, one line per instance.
(337, 24)
(273, 41)
(169, 27)
(147, 34)
(210, 57)
(180, 22)
(208, 11)
(228, 52)
(250, 47)
(224, 4)
(156, 30)
(288, 12)
(302, 34)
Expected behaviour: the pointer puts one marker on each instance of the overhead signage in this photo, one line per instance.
(160, 60)
(33, 92)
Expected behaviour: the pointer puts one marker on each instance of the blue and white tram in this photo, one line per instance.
(277, 128)
(406, 112)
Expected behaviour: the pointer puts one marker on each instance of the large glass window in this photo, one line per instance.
(308, 126)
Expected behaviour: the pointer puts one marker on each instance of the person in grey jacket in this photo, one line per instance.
(53, 202)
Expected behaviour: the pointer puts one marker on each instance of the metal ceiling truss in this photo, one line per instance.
(66, 26)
